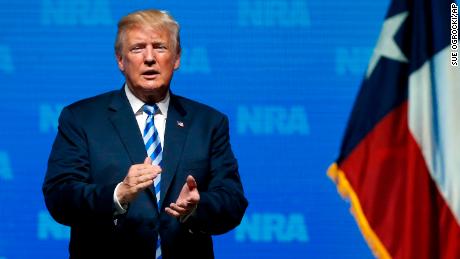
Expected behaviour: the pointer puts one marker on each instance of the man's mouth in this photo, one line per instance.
(150, 74)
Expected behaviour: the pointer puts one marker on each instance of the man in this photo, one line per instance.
(141, 172)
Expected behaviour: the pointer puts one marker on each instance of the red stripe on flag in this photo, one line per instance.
(397, 195)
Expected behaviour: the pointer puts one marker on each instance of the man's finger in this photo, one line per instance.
(182, 204)
(178, 209)
(172, 212)
(145, 184)
(148, 170)
(146, 177)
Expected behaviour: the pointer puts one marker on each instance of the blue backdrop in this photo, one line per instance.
(286, 73)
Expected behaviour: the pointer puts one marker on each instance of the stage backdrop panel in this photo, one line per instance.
(286, 73)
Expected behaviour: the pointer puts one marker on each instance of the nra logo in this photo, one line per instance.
(273, 13)
(271, 120)
(195, 61)
(272, 227)
(6, 61)
(5, 166)
(48, 229)
(352, 61)
(49, 116)
(76, 12)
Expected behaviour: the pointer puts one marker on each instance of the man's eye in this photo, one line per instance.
(161, 48)
(136, 49)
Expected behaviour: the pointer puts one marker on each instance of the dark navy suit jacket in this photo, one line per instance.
(98, 140)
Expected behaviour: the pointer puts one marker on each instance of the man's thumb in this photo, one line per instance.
(191, 183)
(148, 160)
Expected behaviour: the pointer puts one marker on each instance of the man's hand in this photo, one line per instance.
(187, 201)
(139, 177)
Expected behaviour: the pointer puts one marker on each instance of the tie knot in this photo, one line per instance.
(150, 109)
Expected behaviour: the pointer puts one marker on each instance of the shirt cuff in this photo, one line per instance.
(120, 209)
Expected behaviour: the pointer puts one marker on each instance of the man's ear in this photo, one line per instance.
(177, 62)
(119, 58)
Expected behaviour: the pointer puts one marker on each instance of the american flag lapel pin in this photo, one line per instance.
(180, 124)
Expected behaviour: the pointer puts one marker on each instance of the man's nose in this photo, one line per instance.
(149, 57)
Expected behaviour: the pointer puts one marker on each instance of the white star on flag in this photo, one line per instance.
(386, 45)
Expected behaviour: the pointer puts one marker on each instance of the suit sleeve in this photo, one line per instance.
(69, 195)
(222, 205)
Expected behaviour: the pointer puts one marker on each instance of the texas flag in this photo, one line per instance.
(399, 163)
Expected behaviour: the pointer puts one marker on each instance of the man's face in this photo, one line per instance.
(148, 60)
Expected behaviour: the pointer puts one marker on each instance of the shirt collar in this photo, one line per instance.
(137, 104)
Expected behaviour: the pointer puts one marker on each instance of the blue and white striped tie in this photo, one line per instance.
(154, 151)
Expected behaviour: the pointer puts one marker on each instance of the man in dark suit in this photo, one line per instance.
(100, 178)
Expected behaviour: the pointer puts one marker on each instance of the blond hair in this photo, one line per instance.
(150, 18)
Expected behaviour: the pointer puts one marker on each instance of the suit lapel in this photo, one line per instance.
(125, 124)
(175, 136)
